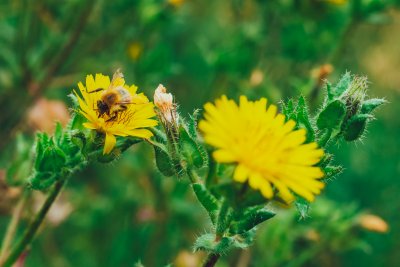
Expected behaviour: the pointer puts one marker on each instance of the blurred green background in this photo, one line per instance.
(125, 212)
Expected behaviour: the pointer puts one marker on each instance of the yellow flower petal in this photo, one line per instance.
(268, 151)
(133, 121)
(109, 143)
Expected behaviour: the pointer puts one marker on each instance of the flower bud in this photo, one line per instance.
(164, 102)
(355, 94)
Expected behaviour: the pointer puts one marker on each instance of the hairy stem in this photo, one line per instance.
(211, 260)
(34, 225)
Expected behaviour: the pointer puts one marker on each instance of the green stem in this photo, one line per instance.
(193, 177)
(211, 260)
(34, 225)
(12, 226)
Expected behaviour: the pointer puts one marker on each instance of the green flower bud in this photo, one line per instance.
(52, 160)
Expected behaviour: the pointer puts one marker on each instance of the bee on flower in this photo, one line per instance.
(269, 153)
(115, 108)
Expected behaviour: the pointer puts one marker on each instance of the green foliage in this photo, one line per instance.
(250, 218)
(354, 127)
(331, 116)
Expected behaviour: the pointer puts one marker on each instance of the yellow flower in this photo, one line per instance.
(337, 2)
(129, 122)
(268, 152)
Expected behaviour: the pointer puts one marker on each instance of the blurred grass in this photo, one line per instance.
(127, 212)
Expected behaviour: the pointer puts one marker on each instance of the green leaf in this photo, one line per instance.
(190, 149)
(163, 161)
(355, 127)
(207, 200)
(192, 124)
(369, 105)
(332, 115)
(303, 119)
(341, 86)
(288, 110)
(251, 218)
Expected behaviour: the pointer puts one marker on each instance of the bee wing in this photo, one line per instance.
(117, 75)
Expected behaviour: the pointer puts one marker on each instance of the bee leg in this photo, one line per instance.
(123, 107)
(95, 91)
(113, 117)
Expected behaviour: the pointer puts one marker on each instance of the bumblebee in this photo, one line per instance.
(114, 99)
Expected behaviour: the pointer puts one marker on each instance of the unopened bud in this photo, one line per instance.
(355, 94)
(164, 102)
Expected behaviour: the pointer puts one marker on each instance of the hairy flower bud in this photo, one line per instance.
(355, 94)
(164, 102)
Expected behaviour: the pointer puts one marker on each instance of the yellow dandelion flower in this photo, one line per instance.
(129, 115)
(268, 152)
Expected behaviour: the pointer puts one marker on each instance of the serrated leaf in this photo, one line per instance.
(251, 218)
(332, 115)
(303, 118)
(369, 105)
(288, 110)
(355, 127)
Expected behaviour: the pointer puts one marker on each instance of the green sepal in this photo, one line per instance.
(251, 218)
(189, 149)
(78, 139)
(288, 110)
(303, 119)
(326, 159)
(369, 105)
(207, 200)
(341, 87)
(76, 122)
(332, 115)
(303, 207)
(331, 171)
(163, 161)
(355, 127)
